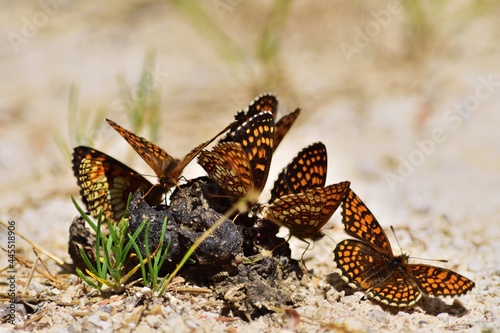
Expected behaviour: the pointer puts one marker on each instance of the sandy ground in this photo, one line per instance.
(404, 100)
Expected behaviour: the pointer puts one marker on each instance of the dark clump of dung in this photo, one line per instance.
(258, 287)
(80, 236)
(243, 260)
(188, 217)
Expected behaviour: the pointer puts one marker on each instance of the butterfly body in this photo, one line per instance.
(368, 263)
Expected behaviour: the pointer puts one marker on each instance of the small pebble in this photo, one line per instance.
(36, 287)
(106, 308)
(353, 325)
(380, 316)
(475, 266)
(95, 323)
(444, 317)
(66, 299)
(191, 324)
(83, 302)
(146, 290)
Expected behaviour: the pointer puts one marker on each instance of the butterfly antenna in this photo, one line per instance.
(397, 240)
(426, 259)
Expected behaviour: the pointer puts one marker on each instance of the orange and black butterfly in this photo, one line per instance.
(105, 183)
(167, 168)
(368, 263)
(264, 103)
(241, 166)
(299, 199)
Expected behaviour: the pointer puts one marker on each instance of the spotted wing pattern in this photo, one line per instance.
(266, 102)
(368, 263)
(283, 125)
(245, 160)
(256, 138)
(228, 165)
(263, 103)
(106, 183)
(306, 171)
(360, 223)
(167, 168)
(305, 213)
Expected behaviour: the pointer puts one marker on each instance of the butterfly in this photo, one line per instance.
(241, 166)
(105, 183)
(299, 199)
(264, 103)
(368, 263)
(167, 168)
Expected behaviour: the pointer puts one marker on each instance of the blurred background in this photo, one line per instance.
(403, 93)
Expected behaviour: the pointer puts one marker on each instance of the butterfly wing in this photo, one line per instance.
(176, 172)
(256, 138)
(360, 223)
(299, 212)
(306, 171)
(398, 289)
(384, 278)
(153, 155)
(437, 281)
(307, 212)
(228, 165)
(283, 125)
(359, 263)
(331, 196)
(106, 183)
(266, 102)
